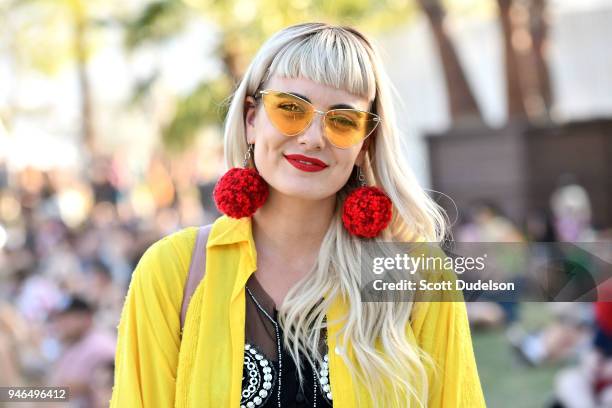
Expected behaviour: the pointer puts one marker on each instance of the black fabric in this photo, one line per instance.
(291, 394)
(260, 332)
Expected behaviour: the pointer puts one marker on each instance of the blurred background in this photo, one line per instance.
(110, 137)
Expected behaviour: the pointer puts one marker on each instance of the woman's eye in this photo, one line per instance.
(290, 107)
(343, 121)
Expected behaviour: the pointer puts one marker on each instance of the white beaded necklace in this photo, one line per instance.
(280, 359)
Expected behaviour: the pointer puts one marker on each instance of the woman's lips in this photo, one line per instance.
(305, 163)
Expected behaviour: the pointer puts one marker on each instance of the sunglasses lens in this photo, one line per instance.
(348, 127)
(343, 127)
(290, 115)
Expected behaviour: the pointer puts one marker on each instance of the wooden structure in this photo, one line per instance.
(519, 166)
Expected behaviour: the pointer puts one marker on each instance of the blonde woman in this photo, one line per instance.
(278, 319)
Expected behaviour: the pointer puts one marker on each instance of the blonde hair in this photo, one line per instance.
(388, 364)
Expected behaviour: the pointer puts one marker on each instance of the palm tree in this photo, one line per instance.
(41, 48)
(462, 103)
(539, 34)
(165, 19)
(514, 94)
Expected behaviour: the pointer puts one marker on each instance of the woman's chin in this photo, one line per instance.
(302, 191)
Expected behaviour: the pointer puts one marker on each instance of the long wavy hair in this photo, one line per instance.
(391, 366)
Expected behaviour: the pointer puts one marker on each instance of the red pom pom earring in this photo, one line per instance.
(241, 191)
(367, 210)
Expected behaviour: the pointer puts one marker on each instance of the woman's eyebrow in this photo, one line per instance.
(337, 106)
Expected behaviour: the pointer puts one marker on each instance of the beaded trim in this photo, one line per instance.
(323, 378)
(321, 375)
(261, 375)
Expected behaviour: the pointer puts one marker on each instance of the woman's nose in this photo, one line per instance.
(312, 138)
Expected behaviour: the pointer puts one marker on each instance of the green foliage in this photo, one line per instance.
(43, 33)
(244, 25)
(158, 21)
(248, 23)
(204, 106)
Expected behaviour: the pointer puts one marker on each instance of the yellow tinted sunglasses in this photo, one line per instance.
(292, 115)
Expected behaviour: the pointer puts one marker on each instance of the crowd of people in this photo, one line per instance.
(579, 333)
(68, 246)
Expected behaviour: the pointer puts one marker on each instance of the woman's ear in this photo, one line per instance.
(250, 110)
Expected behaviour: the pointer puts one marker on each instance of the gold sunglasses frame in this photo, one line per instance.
(376, 118)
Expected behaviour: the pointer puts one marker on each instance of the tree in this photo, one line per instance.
(525, 40)
(462, 103)
(52, 34)
(539, 34)
(243, 26)
(514, 94)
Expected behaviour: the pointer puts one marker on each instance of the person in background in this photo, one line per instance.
(104, 294)
(568, 335)
(486, 223)
(590, 383)
(84, 348)
(102, 384)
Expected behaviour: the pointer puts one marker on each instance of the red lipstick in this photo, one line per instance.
(305, 163)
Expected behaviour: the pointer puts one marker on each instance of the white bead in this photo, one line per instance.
(247, 346)
(326, 387)
(263, 393)
(329, 396)
(326, 358)
(258, 356)
(252, 351)
(323, 380)
(257, 400)
(267, 370)
(324, 373)
(242, 406)
(268, 377)
(324, 366)
(267, 385)
(263, 363)
(250, 404)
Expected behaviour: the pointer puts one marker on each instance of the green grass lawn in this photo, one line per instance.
(505, 381)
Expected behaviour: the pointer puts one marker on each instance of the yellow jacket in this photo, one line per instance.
(155, 369)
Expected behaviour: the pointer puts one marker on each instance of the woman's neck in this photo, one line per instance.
(288, 233)
(291, 226)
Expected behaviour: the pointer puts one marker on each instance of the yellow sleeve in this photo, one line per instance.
(443, 332)
(148, 340)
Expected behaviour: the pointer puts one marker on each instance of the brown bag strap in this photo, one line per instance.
(197, 268)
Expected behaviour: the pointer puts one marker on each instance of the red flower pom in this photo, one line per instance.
(366, 212)
(240, 192)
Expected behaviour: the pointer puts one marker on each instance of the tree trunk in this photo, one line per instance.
(539, 34)
(231, 53)
(516, 107)
(462, 102)
(80, 48)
